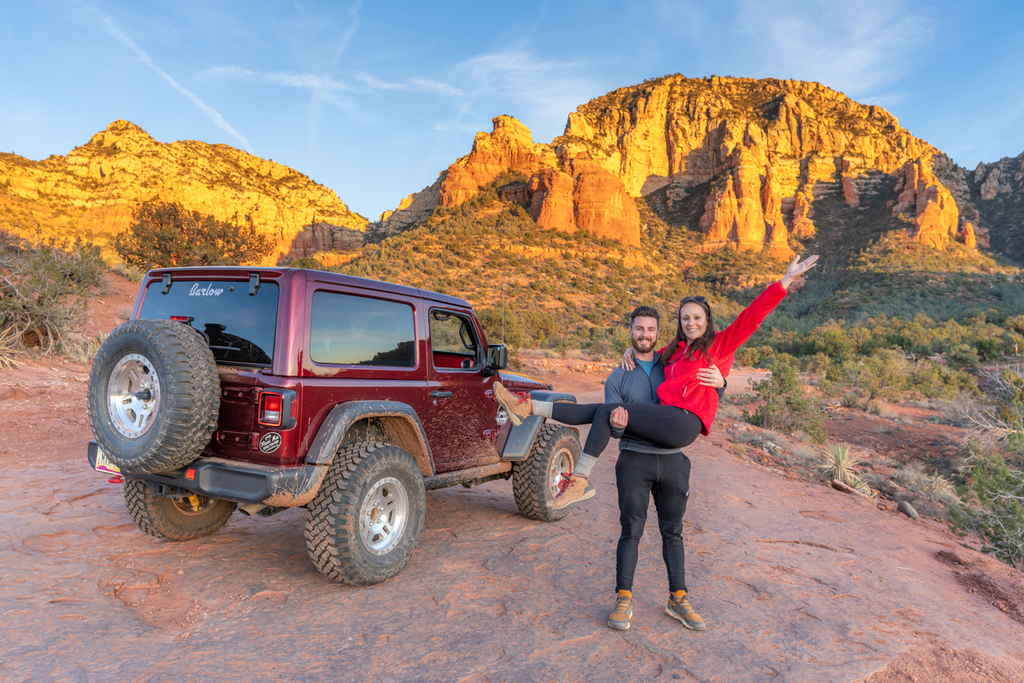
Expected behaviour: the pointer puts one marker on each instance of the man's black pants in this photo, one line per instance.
(667, 478)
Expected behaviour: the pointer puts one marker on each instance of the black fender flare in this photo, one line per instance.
(520, 439)
(400, 425)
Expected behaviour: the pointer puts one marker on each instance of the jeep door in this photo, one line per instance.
(362, 347)
(461, 415)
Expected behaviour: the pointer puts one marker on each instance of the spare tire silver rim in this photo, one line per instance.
(561, 463)
(133, 395)
(384, 515)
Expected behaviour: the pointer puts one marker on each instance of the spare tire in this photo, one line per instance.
(154, 396)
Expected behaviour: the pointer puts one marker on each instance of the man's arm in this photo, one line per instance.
(613, 394)
(613, 386)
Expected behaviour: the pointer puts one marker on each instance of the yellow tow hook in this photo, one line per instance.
(194, 501)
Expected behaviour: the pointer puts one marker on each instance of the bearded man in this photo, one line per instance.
(644, 470)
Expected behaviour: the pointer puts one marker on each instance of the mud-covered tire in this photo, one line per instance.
(154, 396)
(175, 519)
(535, 478)
(365, 521)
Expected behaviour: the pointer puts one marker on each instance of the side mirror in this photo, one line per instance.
(497, 359)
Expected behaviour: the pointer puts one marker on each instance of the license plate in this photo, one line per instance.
(104, 465)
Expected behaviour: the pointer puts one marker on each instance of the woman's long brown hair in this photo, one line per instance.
(698, 346)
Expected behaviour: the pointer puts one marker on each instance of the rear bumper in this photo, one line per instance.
(241, 482)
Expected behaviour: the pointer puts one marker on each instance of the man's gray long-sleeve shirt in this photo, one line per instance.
(634, 386)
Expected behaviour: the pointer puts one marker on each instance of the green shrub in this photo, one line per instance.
(44, 289)
(309, 263)
(884, 375)
(786, 407)
(963, 356)
(164, 235)
(989, 349)
(1015, 324)
(995, 512)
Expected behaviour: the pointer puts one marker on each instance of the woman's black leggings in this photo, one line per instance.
(664, 426)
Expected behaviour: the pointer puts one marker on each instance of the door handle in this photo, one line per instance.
(440, 394)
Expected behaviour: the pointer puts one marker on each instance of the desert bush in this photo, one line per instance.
(163, 235)
(786, 406)
(914, 477)
(309, 263)
(994, 503)
(990, 348)
(831, 340)
(9, 348)
(932, 380)
(1015, 324)
(44, 288)
(883, 375)
(1001, 414)
(132, 273)
(963, 356)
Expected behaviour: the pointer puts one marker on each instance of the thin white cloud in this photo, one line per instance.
(368, 84)
(542, 91)
(857, 47)
(212, 113)
(290, 80)
(346, 36)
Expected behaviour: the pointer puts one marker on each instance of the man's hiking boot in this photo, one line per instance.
(621, 613)
(573, 489)
(517, 404)
(679, 608)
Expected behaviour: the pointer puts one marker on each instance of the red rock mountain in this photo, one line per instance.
(750, 158)
(93, 190)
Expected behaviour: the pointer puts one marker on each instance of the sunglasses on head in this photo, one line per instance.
(693, 299)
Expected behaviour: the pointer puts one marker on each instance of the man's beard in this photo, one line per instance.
(644, 345)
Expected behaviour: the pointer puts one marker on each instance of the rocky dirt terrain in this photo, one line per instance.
(797, 582)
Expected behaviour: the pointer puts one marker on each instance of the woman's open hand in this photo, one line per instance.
(798, 268)
(628, 362)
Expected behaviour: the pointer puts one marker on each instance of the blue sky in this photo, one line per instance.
(374, 99)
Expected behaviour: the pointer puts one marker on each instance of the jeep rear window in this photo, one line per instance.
(356, 330)
(239, 328)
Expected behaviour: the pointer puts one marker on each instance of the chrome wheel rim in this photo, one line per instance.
(133, 396)
(383, 515)
(561, 463)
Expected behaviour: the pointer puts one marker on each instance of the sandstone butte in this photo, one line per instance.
(93, 190)
(757, 153)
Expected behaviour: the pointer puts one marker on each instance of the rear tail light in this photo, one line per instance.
(182, 318)
(271, 406)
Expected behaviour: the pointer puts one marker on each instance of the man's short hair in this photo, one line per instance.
(644, 312)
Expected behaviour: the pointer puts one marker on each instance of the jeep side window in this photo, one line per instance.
(356, 330)
(453, 341)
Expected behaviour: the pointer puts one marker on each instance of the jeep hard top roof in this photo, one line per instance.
(277, 273)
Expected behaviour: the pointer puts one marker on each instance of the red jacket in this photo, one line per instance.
(681, 387)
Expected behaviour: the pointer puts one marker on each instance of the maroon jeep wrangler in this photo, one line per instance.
(271, 388)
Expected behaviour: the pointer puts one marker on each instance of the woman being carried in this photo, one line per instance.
(688, 406)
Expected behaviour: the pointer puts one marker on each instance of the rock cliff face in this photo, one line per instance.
(94, 189)
(754, 157)
(565, 193)
(319, 238)
(997, 190)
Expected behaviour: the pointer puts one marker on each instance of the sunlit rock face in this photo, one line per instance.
(93, 190)
(757, 154)
(768, 149)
